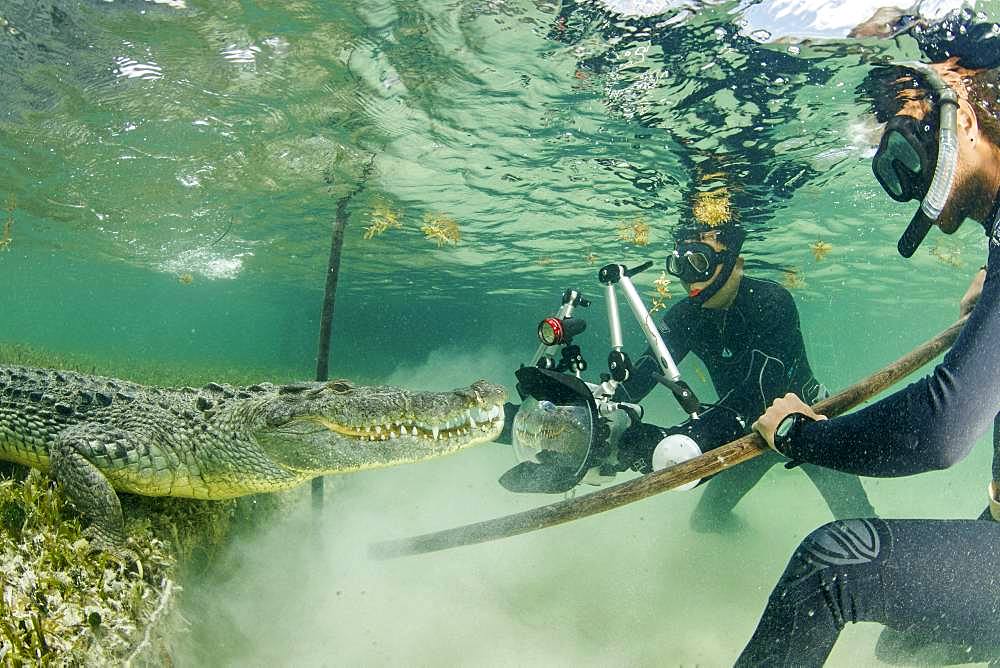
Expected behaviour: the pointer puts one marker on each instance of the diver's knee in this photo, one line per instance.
(843, 543)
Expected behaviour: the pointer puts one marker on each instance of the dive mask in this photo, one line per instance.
(912, 164)
(693, 261)
(905, 160)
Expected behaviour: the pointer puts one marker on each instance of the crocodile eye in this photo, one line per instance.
(339, 386)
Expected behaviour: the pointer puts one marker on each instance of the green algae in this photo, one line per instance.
(60, 603)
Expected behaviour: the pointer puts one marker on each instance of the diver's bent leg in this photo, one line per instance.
(936, 577)
(907, 648)
(843, 492)
(806, 610)
(911, 648)
(725, 490)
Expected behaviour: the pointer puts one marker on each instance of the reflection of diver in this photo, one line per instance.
(746, 332)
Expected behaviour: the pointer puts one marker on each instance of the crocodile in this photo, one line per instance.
(97, 436)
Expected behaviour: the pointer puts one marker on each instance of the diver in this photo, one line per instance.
(746, 332)
(936, 580)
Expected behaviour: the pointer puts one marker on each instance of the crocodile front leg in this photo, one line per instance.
(86, 487)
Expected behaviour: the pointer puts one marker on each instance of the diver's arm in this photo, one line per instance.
(778, 362)
(971, 296)
(641, 382)
(676, 335)
(928, 425)
(798, 372)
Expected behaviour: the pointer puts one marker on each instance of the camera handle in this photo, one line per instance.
(685, 395)
(618, 362)
(572, 360)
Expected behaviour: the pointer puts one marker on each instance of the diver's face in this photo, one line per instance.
(710, 238)
(956, 208)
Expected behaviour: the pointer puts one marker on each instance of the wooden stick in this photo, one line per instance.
(330, 298)
(710, 463)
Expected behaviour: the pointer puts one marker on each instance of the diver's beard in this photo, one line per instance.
(954, 214)
(983, 207)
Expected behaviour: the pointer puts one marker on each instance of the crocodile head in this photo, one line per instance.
(322, 428)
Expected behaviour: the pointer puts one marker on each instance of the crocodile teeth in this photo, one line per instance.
(436, 432)
(484, 414)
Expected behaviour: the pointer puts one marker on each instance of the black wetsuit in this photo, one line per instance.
(754, 354)
(938, 580)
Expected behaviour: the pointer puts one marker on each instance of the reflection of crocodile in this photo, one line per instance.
(96, 435)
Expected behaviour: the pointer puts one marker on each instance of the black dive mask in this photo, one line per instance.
(693, 261)
(904, 162)
(916, 160)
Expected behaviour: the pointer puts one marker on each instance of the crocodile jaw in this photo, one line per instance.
(354, 427)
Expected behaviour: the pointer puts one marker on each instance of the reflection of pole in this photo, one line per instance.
(707, 464)
(330, 297)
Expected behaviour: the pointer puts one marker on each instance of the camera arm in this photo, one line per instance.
(619, 364)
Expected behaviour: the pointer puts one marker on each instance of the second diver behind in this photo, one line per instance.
(746, 332)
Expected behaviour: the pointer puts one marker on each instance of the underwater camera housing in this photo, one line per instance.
(567, 430)
(561, 431)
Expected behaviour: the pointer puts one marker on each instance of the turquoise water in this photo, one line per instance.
(176, 168)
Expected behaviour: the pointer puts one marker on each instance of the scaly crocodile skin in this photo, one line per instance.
(96, 435)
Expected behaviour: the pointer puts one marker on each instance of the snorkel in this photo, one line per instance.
(945, 165)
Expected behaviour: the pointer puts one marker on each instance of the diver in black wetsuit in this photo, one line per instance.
(746, 332)
(936, 580)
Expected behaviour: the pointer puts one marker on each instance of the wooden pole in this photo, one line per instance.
(330, 298)
(710, 463)
(330, 293)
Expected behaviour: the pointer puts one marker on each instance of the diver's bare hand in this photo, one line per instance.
(782, 406)
(971, 295)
